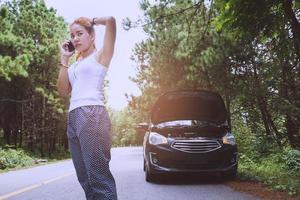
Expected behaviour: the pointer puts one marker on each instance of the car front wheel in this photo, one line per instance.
(149, 177)
(231, 174)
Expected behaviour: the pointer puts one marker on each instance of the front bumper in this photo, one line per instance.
(164, 159)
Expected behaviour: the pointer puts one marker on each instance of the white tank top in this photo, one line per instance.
(86, 77)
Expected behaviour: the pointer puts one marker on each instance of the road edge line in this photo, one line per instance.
(11, 194)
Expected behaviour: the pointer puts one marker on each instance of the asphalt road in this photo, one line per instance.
(59, 182)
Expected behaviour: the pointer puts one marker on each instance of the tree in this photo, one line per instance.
(274, 32)
(242, 49)
(30, 106)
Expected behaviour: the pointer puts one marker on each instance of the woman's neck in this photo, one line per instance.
(88, 52)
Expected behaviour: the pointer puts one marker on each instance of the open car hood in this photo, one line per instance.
(189, 104)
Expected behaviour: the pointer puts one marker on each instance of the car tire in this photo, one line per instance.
(144, 165)
(149, 177)
(231, 174)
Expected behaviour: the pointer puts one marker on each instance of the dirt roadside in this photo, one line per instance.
(259, 190)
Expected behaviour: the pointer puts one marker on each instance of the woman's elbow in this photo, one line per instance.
(111, 20)
(63, 92)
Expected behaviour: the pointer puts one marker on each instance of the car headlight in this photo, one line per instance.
(156, 139)
(229, 139)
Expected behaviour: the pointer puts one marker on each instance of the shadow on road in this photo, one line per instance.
(189, 179)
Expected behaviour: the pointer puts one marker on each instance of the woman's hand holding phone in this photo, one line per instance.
(66, 51)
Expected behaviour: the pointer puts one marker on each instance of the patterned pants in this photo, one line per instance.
(90, 142)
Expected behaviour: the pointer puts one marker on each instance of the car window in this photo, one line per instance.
(176, 123)
(184, 123)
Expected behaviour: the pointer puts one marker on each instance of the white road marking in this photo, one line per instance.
(3, 197)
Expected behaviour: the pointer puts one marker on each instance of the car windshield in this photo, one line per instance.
(184, 123)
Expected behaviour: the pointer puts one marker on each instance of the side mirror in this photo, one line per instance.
(142, 127)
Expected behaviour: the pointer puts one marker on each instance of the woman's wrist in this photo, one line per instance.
(94, 21)
(102, 20)
(64, 60)
(63, 66)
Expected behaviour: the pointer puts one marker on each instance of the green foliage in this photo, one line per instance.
(11, 158)
(169, 59)
(60, 153)
(261, 160)
(245, 139)
(271, 170)
(291, 158)
(32, 113)
(271, 51)
(123, 128)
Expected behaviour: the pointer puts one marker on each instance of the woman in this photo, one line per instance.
(88, 121)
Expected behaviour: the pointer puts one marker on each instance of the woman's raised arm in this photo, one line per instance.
(106, 52)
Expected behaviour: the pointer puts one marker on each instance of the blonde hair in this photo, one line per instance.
(86, 23)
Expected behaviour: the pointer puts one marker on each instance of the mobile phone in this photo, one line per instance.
(71, 46)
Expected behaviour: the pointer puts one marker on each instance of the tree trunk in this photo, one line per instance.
(43, 124)
(263, 107)
(22, 126)
(6, 134)
(295, 24)
(227, 101)
(263, 115)
(293, 130)
(260, 101)
(270, 122)
(15, 134)
(292, 126)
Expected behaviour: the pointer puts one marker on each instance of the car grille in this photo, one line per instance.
(196, 146)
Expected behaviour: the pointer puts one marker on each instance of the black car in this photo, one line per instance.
(188, 132)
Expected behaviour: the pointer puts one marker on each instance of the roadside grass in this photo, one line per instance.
(13, 159)
(278, 171)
